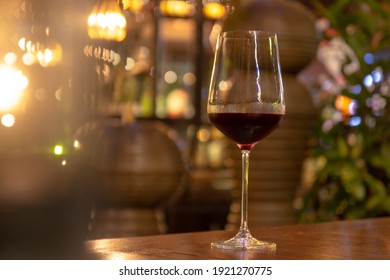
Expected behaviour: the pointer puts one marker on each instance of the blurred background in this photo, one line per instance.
(104, 133)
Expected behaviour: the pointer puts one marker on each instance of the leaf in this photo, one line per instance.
(386, 205)
(352, 181)
(381, 159)
(357, 148)
(385, 150)
(356, 213)
(349, 171)
(375, 202)
(356, 170)
(342, 147)
(358, 190)
(376, 186)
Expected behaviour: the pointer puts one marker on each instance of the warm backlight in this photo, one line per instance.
(214, 10)
(107, 22)
(12, 84)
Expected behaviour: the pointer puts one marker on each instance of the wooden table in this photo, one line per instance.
(352, 240)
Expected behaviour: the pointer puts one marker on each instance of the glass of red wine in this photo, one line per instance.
(246, 103)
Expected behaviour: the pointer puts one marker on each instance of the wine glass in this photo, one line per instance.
(246, 104)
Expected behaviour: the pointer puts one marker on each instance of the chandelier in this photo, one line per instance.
(107, 22)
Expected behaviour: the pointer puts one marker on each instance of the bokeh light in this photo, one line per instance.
(12, 83)
(8, 120)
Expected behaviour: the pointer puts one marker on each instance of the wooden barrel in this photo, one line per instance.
(131, 169)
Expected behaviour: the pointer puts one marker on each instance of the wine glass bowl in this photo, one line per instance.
(246, 103)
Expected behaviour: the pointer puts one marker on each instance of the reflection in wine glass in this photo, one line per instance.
(246, 103)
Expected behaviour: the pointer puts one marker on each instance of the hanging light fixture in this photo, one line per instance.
(50, 55)
(177, 8)
(214, 10)
(134, 5)
(107, 22)
(37, 41)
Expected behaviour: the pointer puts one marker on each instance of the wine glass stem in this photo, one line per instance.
(244, 194)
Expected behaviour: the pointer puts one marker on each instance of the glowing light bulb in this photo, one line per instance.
(133, 5)
(12, 83)
(58, 150)
(107, 22)
(8, 120)
(176, 8)
(214, 10)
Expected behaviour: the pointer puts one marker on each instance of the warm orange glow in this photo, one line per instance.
(50, 56)
(176, 8)
(47, 54)
(29, 58)
(177, 103)
(107, 22)
(76, 144)
(203, 135)
(10, 58)
(343, 104)
(133, 5)
(12, 84)
(22, 44)
(214, 10)
(8, 120)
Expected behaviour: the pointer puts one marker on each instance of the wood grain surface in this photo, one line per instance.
(351, 240)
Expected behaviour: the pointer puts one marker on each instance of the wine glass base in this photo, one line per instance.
(244, 241)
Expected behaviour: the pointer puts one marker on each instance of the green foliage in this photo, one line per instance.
(351, 160)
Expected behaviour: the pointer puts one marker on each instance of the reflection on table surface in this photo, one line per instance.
(360, 239)
(340, 240)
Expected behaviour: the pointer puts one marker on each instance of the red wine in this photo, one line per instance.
(246, 129)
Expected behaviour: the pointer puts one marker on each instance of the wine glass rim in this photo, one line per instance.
(247, 33)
